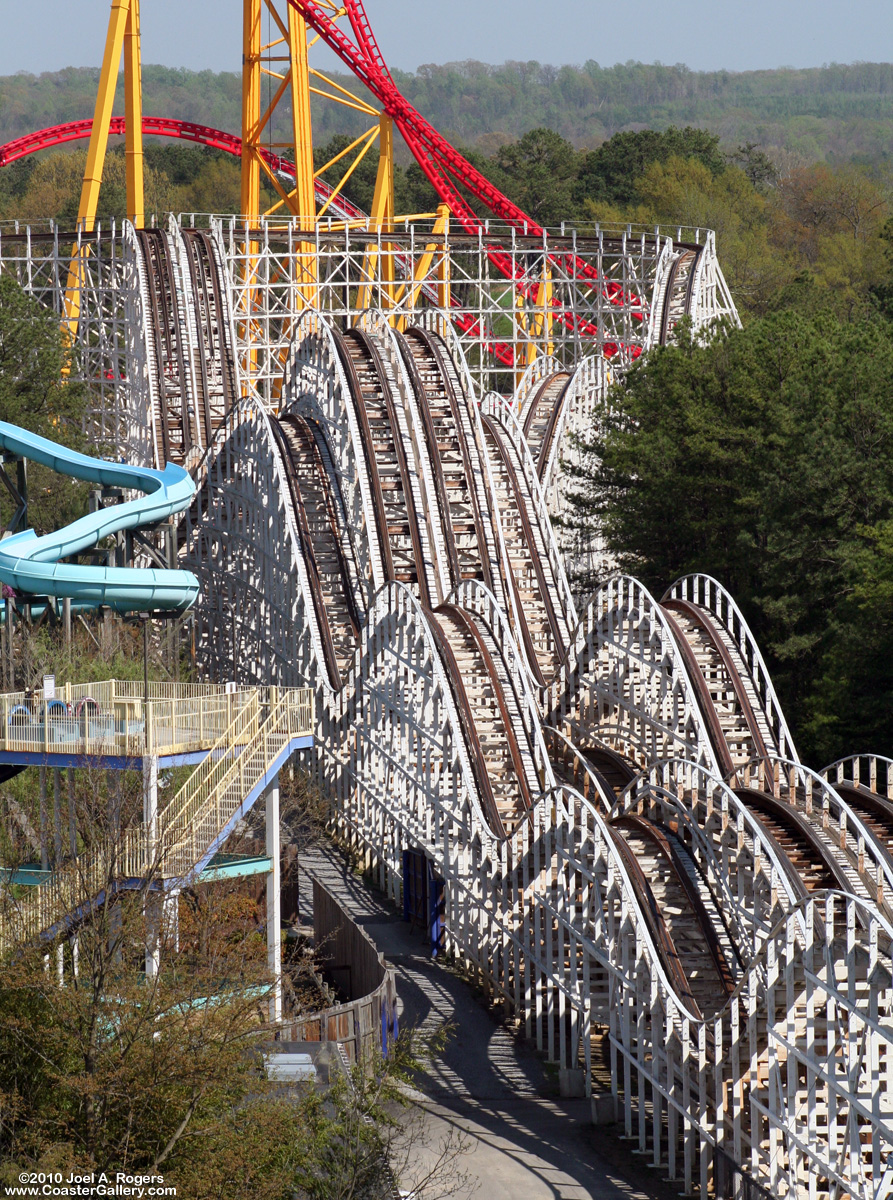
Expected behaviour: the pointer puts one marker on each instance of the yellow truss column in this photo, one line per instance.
(133, 116)
(422, 271)
(541, 323)
(302, 125)
(251, 108)
(381, 218)
(444, 292)
(250, 179)
(534, 323)
(304, 195)
(102, 115)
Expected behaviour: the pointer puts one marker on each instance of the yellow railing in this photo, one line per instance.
(261, 722)
(213, 793)
(112, 718)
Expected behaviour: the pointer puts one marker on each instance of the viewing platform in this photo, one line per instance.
(113, 724)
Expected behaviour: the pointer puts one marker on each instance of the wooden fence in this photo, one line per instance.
(367, 1022)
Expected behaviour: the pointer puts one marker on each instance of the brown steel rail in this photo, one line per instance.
(875, 812)
(696, 615)
(462, 618)
(533, 409)
(702, 692)
(492, 427)
(370, 351)
(809, 855)
(433, 352)
(440, 487)
(356, 391)
(205, 279)
(165, 323)
(655, 922)
(469, 730)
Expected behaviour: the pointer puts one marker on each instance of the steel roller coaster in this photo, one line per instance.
(377, 415)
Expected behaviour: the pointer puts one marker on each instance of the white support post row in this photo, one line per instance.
(274, 900)
(154, 901)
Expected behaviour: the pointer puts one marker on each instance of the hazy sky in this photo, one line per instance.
(50, 34)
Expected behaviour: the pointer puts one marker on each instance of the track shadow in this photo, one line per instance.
(529, 1144)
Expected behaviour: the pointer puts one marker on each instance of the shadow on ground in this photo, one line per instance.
(526, 1142)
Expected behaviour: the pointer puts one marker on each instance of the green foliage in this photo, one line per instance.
(117, 1072)
(611, 172)
(765, 458)
(839, 113)
(35, 394)
(755, 163)
(114, 1069)
(539, 172)
(360, 187)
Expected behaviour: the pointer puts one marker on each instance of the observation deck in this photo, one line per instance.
(114, 724)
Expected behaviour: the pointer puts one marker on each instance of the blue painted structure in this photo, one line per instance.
(221, 866)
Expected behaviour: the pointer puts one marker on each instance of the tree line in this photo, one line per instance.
(834, 113)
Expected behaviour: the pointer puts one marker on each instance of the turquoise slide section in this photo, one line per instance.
(30, 564)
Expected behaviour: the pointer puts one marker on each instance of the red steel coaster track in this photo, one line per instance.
(216, 139)
(443, 165)
(446, 169)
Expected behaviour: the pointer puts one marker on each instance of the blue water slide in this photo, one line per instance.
(30, 564)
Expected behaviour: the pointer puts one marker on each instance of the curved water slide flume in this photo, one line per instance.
(32, 565)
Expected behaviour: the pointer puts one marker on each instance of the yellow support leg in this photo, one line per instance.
(541, 322)
(105, 97)
(381, 218)
(423, 269)
(251, 108)
(302, 132)
(99, 138)
(444, 293)
(250, 190)
(302, 125)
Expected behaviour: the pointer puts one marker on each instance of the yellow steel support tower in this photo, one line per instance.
(284, 61)
(133, 116)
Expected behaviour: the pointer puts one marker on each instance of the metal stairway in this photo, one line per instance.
(261, 736)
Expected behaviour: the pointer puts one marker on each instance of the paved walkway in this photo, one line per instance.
(525, 1143)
